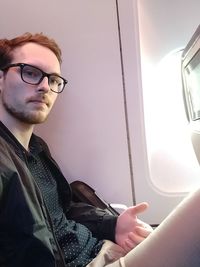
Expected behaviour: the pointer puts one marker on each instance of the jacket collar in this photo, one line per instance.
(35, 146)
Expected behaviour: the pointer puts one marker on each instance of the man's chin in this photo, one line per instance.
(31, 120)
(26, 116)
(38, 120)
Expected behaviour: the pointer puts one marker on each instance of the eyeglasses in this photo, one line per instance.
(33, 75)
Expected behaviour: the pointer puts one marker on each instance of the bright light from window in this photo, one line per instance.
(172, 162)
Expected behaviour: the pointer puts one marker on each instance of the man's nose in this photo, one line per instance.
(43, 86)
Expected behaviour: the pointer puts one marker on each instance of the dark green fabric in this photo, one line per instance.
(27, 236)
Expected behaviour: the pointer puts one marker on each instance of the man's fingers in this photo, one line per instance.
(135, 238)
(128, 245)
(144, 225)
(143, 231)
(139, 208)
(139, 235)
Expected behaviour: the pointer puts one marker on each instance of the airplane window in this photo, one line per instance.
(173, 165)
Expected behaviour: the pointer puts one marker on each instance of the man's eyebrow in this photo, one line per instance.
(55, 73)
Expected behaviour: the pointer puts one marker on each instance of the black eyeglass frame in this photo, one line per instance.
(44, 74)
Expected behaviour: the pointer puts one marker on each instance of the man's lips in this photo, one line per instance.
(39, 101)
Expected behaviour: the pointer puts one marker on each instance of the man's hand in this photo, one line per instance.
(130, 231)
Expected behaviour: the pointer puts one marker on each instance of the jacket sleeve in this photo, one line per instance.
(98, 221)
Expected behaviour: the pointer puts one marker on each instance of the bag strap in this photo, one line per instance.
(85, 193)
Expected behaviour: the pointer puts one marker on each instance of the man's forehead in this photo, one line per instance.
(32, 49)
(38, 55)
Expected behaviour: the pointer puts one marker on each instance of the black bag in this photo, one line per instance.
(82, 192)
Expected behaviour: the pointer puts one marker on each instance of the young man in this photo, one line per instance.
(39, 225)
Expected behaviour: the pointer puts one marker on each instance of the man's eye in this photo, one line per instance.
(55, 80)
(31, 73)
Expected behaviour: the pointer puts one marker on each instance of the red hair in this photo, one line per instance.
(8, 45)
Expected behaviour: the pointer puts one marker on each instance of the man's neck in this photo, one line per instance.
(22, 131)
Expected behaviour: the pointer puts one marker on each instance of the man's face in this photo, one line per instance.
(28, 103)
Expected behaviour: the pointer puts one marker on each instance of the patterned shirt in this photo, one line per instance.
(76, 241)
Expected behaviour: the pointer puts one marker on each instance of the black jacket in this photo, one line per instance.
(26, 233)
